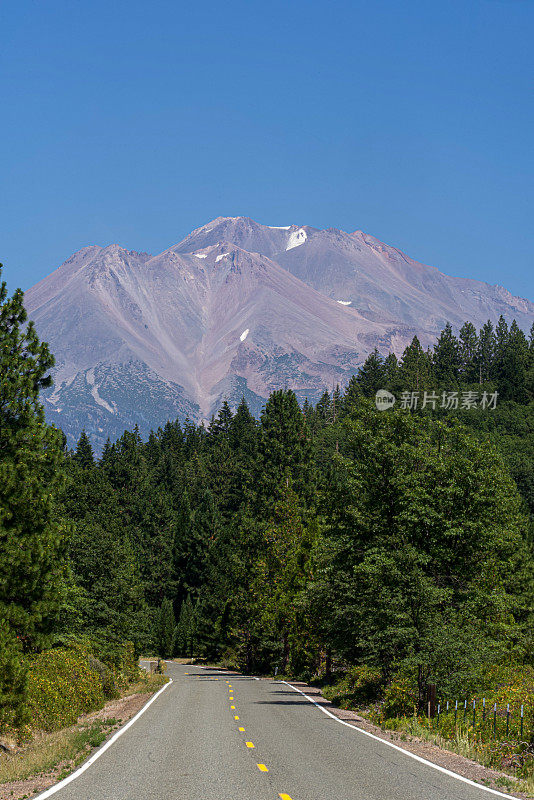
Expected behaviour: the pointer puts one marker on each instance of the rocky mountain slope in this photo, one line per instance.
(236, 308)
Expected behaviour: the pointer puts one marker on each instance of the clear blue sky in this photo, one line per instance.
(135, 121)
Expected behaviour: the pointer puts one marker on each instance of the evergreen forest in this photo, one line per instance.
(315, 540)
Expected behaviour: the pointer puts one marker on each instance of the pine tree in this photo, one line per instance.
(165, 629)
(446, 359)
(391, 365)
(352, 396)
(84, 452)
(12, 679)
(372, 374)
(323, 408)
(105, 567)
(107, 454)
(486, 352)
(502, 337)
(185, 633)
(244, 442)
(513, 366)
(467, 351)
(390, 539)
(280, 574)
(337, 403)
(243, 430)
(193, 531)
(221, 425)
(285, 447)
(155, 538)
(172, 438)
(415, 370)
(153, 449)
(31, 474)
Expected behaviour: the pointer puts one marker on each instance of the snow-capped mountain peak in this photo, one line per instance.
(236, 308)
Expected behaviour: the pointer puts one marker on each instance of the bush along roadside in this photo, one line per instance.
(62, 684)
(493, 726)
(73, 702)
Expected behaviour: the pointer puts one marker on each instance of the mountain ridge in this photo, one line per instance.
(235, 308)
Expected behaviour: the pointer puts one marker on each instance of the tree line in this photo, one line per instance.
(311, 538)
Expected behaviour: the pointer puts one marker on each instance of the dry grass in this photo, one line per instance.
(46, 751)
(461, 744)
(58, 753)
(526, 786)
(148, 683)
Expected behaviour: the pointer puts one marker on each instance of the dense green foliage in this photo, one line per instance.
(395, 546)
(62, 684)
(334, 534)
(31, 531)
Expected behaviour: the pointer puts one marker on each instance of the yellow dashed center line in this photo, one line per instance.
(250, 745)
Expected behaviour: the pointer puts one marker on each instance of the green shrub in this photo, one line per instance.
(61, 686)
(359, 685)
(107, 678)
(119, 656)
(400, 698)
(508, 683)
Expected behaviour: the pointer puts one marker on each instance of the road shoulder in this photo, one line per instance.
(97, 727)
(493, 779)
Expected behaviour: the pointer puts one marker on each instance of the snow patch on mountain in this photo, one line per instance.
(161, 334)
(90, 375)
(279, 227)
(296, 239)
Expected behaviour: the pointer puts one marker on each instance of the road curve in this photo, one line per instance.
(211, 736)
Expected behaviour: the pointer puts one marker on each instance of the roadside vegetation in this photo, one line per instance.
(377, 552)
(52, 673)
(55, 749)
(45, 752)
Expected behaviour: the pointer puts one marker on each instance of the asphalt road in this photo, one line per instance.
(192, 744)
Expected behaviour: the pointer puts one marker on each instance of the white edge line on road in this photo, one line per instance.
(400, 749)
(106, 746)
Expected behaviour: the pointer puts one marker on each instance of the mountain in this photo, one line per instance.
(379, 281)
(236, 308)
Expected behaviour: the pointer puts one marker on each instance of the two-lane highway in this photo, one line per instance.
(211, 736)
